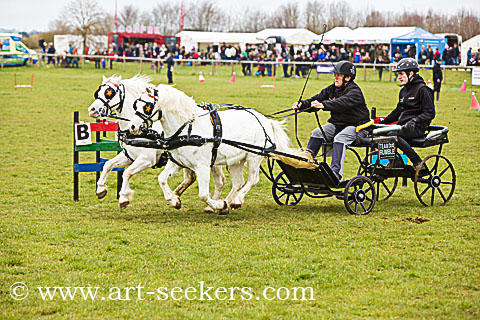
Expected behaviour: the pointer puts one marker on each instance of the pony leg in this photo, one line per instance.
(170, 170)
(139, 165)
(189, 177)
(119, 160)
(236, 173)
(203, 177)
(253, 177)
(219, 180)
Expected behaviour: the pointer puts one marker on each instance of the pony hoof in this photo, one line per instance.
(124, 204)
(235, 206)
(224, 211)
(178, 205)
(102, 194)
(208, 210)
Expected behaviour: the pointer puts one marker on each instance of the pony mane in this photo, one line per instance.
(137, 83)
(177, 102)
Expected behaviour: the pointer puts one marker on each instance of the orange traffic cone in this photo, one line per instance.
(463, 88)
(429, 84)
(201, 78)
(474, 104)
(232, 78)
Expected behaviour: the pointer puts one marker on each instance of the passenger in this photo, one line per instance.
(415, 108)
(346, 103)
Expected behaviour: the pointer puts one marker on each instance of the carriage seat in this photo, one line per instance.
(435, 135)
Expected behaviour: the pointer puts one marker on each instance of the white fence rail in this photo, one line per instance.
(43, 57)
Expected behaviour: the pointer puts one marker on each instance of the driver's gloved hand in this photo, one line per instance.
(408, 129)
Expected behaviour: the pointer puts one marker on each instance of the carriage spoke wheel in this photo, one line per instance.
(435, 183)
(384, 187)
(284, 193)
(359, 196)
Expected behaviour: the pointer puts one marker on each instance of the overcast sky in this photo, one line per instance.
(28, 15)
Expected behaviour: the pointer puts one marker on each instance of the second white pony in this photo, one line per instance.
(245, 126)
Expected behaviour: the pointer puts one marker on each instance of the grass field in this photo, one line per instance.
(378, 266)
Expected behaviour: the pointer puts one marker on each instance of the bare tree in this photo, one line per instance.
(58, 26)
(249, 21)
(84, 17)
(375, 19)
(128, 15)
(166, 15)
(204, 16)
(340, 14)
(409, 18)
(466, 23)
(286, 16)
(315, 15)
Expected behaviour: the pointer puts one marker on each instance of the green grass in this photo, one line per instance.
(377, 266)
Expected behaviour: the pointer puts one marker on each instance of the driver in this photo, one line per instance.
(346, 103)
(415, 108)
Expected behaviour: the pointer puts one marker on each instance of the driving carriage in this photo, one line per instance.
(378, 173)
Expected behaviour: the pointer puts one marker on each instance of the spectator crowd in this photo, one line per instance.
(255, 58)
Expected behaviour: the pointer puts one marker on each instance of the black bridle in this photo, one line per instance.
(108, 95)
(148, 114)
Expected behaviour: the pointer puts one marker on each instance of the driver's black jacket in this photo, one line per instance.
(346, 104)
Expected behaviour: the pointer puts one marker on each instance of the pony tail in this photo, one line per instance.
(280, 136)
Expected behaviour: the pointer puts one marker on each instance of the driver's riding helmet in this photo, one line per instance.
(345, 67)
(407, 64)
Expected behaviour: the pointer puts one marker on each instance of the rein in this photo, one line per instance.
(113, 117)
(272, 115)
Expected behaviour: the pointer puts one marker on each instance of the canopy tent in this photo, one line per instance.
(198, 39)
(62, 41)
(292, 36)
(336, 35)
(418, 37)
(376, 35)
(473, 43)
(201, 39)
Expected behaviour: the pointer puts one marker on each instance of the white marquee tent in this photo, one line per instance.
(336, 35)
(202, 39)
(61, 42)
(367, 35)
(292, 36)
(473, 43)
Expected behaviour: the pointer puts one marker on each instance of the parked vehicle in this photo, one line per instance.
(14, 52)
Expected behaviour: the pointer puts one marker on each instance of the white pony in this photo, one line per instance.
(115, 94)
(246, 126)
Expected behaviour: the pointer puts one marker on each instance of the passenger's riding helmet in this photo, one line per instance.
(345, 67)
(407, 64)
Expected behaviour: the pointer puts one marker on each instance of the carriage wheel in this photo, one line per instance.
(359, 196)
(385, 187)
(284, 193)
(438, 177)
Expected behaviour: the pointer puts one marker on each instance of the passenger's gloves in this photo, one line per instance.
(408, 129)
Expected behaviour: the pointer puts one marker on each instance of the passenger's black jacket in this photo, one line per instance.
(346, 104)
(415, 101)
